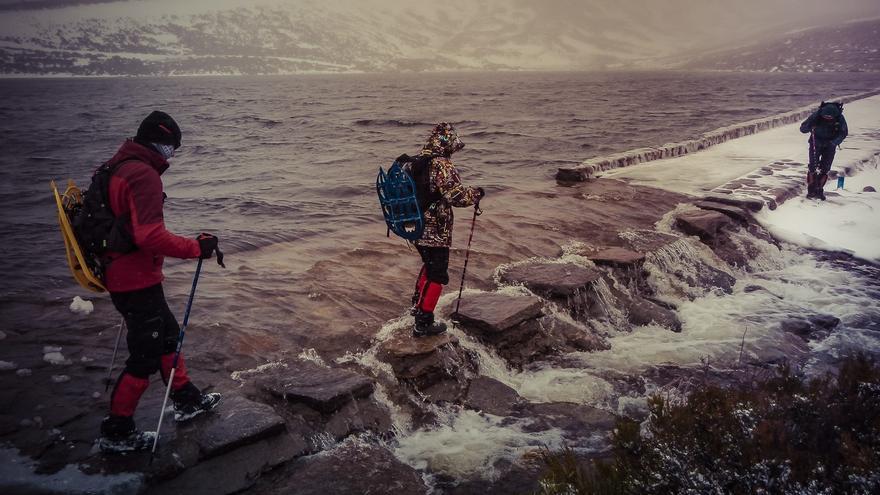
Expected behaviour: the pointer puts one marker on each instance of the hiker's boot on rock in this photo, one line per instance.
(118, 435)
(426, 326)
(190, 402)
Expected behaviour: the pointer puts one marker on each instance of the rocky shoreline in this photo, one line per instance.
(332, 426)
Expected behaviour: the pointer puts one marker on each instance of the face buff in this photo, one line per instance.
(167, 150)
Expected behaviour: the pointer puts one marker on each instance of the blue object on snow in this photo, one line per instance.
(400, 204)
(840, 181)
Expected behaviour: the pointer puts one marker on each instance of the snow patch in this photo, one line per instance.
(52, 355)
(81, 306)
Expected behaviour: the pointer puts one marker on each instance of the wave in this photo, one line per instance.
(390, 123)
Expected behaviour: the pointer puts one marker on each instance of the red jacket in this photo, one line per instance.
(136, 193)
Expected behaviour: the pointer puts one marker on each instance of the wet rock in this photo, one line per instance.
(753, 205)
(733, 212)
(868, 189)
(711, 277)
(496, 312)
(644, 312)
(704, 224)
(646, 241)
(321, 388)
(573, 419)
(755, 288)
(491, 396)
(825, 322)
(617, 257)
(236, 422)
(551, 279)
(351, 468)
(233, 472)
(813, 327)
(538, 338)
(427, 361)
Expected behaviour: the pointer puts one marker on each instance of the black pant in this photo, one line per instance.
(821, 156)
(152, 328)
(436, 260)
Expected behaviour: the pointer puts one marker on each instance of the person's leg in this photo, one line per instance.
(826, 158)
(420, 284)
(144, 341)
(437, 272)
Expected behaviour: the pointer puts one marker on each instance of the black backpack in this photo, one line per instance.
(97, 230)
(419, 168)
(826, 130)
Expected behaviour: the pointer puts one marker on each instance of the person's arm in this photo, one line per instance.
(844, 131)
(141, 190)
(807, 125)
(449, 184)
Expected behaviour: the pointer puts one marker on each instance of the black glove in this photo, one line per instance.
(404, 158)
(208, 245)
(482, 192)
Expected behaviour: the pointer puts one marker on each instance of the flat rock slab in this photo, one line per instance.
(494, 312)
(491, 396)
(323, 389)
(353, 468)
(236, 422)
(617, 257)
(646, 241)
(403, 344)
(552, 279)
(753, 205)
(703, 223)
(733, 212)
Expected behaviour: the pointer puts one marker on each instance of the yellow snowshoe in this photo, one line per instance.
(67, 204)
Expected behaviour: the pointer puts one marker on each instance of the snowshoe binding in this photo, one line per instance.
(190, 402)
(119, 436)
(426, 326)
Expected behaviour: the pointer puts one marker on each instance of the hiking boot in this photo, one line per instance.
(820, 194)
(118, 435)
(190, 402)
(426, 326)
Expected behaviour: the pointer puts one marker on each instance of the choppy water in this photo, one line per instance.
(283, 170)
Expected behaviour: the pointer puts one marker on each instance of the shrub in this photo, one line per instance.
(782, 435)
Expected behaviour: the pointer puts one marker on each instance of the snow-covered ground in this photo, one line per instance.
(700, 172)
(848, 221)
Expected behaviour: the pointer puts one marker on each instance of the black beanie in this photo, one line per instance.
(160, 128)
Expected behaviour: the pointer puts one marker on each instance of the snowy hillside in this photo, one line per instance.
(282, 36)
(850, 47)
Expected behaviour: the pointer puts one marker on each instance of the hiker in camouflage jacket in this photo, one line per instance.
(436, 239)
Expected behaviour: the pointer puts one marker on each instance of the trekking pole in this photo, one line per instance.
(180, 337)
(467, 255)
(113, 360)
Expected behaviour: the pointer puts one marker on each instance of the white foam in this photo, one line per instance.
(468, 444)
(81, 306)
(240, 375)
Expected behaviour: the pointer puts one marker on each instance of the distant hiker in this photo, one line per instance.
(827, 129)
(134, 280)
(445, 191)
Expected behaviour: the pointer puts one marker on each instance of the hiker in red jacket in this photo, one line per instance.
(134, 280)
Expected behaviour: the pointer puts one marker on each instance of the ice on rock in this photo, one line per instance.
(60, 378)
(81, 306)
(7, 365)
(52, 355)
(23, 372)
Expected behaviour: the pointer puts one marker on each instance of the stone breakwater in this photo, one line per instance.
(590, 168)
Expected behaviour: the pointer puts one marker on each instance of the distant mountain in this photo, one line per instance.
(852, 47)
(162, 37)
